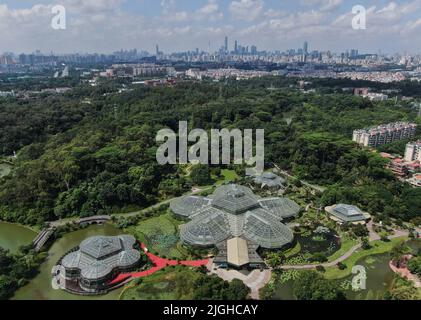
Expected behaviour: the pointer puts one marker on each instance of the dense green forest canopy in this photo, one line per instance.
(77, 159)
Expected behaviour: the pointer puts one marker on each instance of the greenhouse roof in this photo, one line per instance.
(270, 179)
(99, 256)
(234, 211)
(347, 213)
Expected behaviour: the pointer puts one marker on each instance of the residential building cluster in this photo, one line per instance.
(407, 168)
(375, 76)
(218, 74)
(383, 134)
(137, 70)
(372, 96)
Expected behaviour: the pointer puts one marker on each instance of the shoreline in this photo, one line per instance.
(21, 225)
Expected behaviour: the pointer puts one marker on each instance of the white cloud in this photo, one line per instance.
(209, 12)
(323, 5)
(104, 25)
(246, 9)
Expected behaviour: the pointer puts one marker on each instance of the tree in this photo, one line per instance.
(366, 244)
(311, 285)
(341, 266)
(214, 288)
(398, 252)
(401, 289)
(414, 265)
(360, 230)
(8, 286)
(275, 259)
(200, 175)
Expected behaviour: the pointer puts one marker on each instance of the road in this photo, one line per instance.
(311, 186)
(63, 222)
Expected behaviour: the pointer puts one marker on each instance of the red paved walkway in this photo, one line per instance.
(160, 263)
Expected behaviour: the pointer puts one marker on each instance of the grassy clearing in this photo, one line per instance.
(226, 176)
(160, 234)
(293, 251)
(5, 169)
(175, 283)
(378, 247)
(346, 245)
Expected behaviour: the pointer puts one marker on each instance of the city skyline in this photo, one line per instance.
(176, 25)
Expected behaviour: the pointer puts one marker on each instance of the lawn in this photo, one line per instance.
(226, 176)
(293, 251)
(175, 283)
(5, 169)
(378, 247)
(346, 245)
(160, 234)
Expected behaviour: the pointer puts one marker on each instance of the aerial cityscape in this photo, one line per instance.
(132, 165)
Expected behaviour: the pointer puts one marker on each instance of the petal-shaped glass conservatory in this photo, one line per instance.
(234, 211)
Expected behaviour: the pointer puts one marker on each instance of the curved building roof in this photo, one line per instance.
(234, 211)
(187, 206)
(270, 179)
(99, 247)
(347, 213)
(235, 201)
(283, 207)
(99, 256)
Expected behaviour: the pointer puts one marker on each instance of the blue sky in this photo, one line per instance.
(179, 25)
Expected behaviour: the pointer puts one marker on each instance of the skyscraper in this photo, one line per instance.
(226, 44)
(236, 47)
(305, 48)
(254, 50)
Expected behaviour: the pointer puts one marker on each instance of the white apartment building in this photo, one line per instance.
(384, 134)
(413, 151)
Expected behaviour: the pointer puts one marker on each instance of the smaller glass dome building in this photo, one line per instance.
(270, 180)
(345, 213)
(97, 261)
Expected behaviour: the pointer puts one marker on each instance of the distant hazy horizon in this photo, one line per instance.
(104, 26)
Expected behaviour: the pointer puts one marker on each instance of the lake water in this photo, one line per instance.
(40, 287)
(13, 236)
(379, 278)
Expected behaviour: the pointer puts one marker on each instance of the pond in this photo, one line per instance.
(415, 246)
(13, 236)
(379, 279)
(327, 243)
(40, 287)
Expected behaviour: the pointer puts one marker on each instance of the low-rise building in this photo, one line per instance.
(398, 167)
(238, 253)
(345, 213)
(415, 181)
(90, 268)
(270, 180)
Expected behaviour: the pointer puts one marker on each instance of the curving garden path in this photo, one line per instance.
(159, 264)
(327, 264)
(373, 237)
